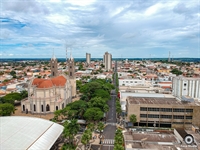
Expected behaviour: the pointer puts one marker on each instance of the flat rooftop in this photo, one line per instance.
(159, 100)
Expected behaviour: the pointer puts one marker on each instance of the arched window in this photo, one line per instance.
(34, 107)
(56, 107)
(23, 108)
(62, 105)
(47, 107)
(42, 108)
(53, 73)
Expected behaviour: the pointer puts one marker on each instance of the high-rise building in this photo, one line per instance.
(186, 87)
(107, 60)
(88, 57)
(54, 66)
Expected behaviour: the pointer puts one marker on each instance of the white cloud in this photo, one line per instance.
(120, 27)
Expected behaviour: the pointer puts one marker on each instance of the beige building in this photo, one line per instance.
(47, 95)
(107, 60)
(163, 112)
(88, 57)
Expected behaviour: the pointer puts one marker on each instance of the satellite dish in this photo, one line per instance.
(189, 139)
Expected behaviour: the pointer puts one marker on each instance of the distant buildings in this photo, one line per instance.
(107, 60)
(88, 57)
(186, 87)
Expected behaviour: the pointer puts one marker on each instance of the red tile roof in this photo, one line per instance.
(47, 83)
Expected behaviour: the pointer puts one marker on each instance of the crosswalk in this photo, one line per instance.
(109, 141)
(112, 124)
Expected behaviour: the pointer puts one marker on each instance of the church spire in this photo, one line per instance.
(53, 56)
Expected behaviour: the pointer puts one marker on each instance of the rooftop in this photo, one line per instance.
(30, 133)
(158, 100)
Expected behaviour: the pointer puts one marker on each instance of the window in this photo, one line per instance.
(47, 107)
(143, 109)
(188, 117)
(153, 109)
(70, 73)
(185, 84)
(143, 115)
(166, 109)
(131, 81)
(153, 116)
(188, 122)
(178, 110)
(178, 123)
(56, 107)
(70, 66)
(52, 66)
(189, 110)
(34, 108)
(126, 81)
(42, 108)
(23, 108)
(166, 116)
(178, 117)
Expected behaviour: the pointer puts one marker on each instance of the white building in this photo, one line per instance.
(88, 57)
(107, 60)
(186, 87)
(47, 95)
(132, 82)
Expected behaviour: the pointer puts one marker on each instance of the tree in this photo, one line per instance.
(87, 135)
(119, 142)
(100, 127)
(12, 73)
(91, 126)
(6, 109)
(71, 128)
(133, 118)
(93, 114)
(176, 71)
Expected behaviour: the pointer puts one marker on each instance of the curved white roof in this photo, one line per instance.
(17, 133)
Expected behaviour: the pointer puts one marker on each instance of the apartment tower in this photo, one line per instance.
(107, 60)
(88, 57)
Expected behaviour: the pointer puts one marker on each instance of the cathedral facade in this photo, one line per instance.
(49, 95)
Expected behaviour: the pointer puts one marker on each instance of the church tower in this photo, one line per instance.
(54, 66)
(71, 74)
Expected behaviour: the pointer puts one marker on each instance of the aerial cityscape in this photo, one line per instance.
(100, 75)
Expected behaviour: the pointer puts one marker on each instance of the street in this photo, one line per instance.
(109, 130)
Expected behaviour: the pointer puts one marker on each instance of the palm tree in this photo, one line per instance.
(87, 135)
(100, 127)
(71, 128)
(133, 118)
(118, 147)
(91, 126)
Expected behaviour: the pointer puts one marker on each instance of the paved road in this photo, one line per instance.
(109, 131)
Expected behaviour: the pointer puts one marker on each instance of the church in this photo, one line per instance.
(48, 95)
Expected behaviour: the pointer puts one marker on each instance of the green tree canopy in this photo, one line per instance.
(176, 71)
(93, 114)
(133, 118)
(6, 109)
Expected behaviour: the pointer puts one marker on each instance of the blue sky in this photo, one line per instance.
(124, 28)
